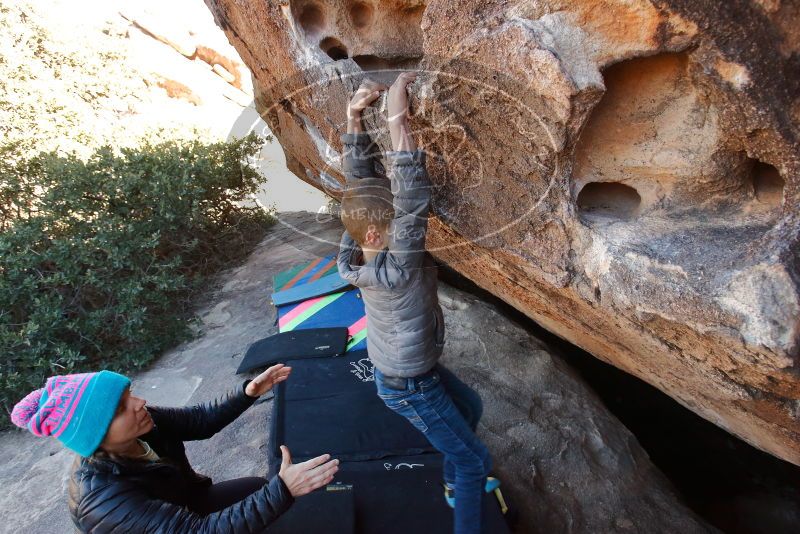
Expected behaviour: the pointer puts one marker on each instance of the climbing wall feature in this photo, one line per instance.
(374, 36)
(361, 14)
(311, 16)
(624, 172)
(656, 130)
(767, 184)
(334, 48)
(652, 132)
(609, 199)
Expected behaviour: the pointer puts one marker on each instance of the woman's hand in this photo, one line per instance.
(305, 477)
(264, 382)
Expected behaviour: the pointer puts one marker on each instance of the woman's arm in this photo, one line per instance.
(201, 421)
(204, 420)
(123, 507)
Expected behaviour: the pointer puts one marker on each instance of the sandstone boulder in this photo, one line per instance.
(623, 172)
(564, 460)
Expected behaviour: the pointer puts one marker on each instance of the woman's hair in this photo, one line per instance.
(365, 203)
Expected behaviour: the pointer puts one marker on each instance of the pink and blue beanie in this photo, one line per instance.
(75, 409)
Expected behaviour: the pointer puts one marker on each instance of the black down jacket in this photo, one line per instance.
(135, 496)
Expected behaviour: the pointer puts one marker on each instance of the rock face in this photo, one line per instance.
(624, 172)
(568, 464)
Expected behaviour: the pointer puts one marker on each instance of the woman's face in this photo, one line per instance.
(130, 421)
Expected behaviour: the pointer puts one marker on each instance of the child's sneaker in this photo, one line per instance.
(449, 495)
(491, 484)
(450, 492)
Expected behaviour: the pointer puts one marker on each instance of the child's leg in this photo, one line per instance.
(465, 398)
(426, 404)
(468, 403)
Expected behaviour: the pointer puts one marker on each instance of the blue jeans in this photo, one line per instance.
(447, 411)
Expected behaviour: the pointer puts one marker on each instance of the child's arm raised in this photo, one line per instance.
(410, 186)
(358, 149)
(399, 129)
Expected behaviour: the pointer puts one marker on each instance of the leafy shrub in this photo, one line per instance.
(99, 259)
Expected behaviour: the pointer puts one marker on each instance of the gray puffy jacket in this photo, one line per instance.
(405, 325)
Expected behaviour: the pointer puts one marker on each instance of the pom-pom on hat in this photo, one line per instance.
(75, 409)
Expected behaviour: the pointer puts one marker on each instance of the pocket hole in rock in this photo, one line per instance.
(385, 70)
(361, 14)
(415, 11)
(609, 198)
(334, 48)
(369, 62)
(312, 19)
(767, 184)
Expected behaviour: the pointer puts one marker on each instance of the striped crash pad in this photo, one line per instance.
(330, 283)
(343, 308)
(301, 274)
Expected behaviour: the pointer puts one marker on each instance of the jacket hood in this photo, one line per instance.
(351, 253)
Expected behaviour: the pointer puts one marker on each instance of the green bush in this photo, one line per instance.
(99, 259)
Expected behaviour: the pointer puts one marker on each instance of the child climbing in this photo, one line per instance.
(383, 252)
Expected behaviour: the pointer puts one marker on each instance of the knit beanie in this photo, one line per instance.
(75, 409)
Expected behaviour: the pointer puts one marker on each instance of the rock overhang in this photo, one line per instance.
(625, 173)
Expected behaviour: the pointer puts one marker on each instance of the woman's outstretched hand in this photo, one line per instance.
(307, 476)
(264, 382)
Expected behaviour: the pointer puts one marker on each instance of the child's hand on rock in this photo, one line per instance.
(365, 95)
(398, 96)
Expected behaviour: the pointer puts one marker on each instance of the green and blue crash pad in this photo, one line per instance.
(302, 274)
(326, 285)
(344, 308)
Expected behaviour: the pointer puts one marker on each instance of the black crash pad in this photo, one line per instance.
(405, 494)
(296, 344)
(328, 509)
(394, 495)
(330, 405)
